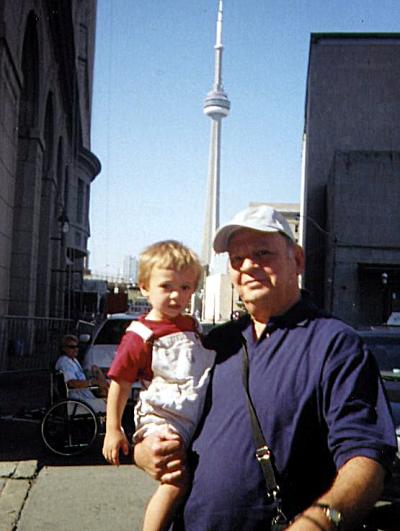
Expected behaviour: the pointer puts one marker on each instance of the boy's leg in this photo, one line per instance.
(163, 504)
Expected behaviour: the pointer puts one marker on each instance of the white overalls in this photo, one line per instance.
(175, 397)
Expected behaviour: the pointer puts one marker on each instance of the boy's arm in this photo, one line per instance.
(115, 438)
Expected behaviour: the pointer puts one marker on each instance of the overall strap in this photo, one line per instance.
(141, 330)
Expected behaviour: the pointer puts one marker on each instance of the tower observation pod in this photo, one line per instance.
(216, 106)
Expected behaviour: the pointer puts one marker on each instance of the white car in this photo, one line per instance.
(104, 345)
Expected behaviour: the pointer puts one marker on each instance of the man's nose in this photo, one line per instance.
(248, 263)
(174, 294)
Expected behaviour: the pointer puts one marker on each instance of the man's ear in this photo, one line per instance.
(300, 259)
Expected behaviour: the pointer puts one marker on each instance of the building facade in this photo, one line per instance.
(46, 166)
(351, 182)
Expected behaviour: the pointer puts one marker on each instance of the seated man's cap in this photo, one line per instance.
(262, 218)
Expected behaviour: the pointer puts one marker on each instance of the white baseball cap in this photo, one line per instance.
(262, 218)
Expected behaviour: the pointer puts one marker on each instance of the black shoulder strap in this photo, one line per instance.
(263, 452)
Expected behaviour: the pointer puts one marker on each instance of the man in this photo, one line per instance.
(75, 378)
(315, 389)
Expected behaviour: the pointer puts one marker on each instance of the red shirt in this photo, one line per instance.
(133, 358)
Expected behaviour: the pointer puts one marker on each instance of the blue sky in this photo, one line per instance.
(154, 65)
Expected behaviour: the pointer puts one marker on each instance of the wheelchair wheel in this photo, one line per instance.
(69, 427)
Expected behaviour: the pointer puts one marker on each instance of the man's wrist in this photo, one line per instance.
(333, 517)
(311, 519)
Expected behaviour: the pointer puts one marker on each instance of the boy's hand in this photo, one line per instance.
(162, 456)
(114, 441)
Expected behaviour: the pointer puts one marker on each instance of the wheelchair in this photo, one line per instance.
(70, 426)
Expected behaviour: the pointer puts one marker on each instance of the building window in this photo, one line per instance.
(66, 189)
(80, 201)
(87, 202)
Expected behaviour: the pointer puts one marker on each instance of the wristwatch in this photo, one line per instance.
(333, 515)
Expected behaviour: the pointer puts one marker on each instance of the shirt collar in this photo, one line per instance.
(298, 315)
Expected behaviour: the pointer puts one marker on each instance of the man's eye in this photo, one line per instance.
(262, 253)
(235, 260)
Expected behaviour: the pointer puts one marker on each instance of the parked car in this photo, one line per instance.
(102, 347)
(105, 341)
(384, 343)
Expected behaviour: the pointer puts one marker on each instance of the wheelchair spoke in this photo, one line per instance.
(69, 427)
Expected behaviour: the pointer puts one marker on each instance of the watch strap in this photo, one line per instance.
(333, 515)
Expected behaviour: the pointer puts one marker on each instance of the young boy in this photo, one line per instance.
(163, 350)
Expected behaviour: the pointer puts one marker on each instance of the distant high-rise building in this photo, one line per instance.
(216, 106)
(129, 268)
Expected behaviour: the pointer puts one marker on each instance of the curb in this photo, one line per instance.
(16, 478)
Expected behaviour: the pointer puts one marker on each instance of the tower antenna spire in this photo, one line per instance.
(218, 49)
(216, 106)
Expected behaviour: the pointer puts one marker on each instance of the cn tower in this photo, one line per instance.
(216, 106)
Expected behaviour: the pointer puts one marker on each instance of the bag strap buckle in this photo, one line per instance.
(263, 453)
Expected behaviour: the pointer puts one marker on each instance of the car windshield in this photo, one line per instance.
(386, 351)
(112, 331)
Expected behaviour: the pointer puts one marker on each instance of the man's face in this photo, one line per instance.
(264, 268)
(71, 348)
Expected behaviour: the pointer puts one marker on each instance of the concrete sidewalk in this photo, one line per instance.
(16, 479)
(69, 498)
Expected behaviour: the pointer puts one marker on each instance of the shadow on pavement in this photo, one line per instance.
(21, 440)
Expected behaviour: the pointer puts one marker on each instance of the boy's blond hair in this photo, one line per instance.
(168, 254)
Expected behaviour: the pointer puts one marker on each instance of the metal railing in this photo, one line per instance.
(31, 342)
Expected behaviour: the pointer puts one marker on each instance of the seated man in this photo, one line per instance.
(75, 379)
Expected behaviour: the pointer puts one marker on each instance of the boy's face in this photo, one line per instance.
(169, 292)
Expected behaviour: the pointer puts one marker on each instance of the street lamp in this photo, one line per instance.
(63, 220)
(64, 226)
(385, 291)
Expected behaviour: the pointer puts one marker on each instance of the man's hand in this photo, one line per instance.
(114, 441)
(307, 523)
(162, 456)
(100, 380)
